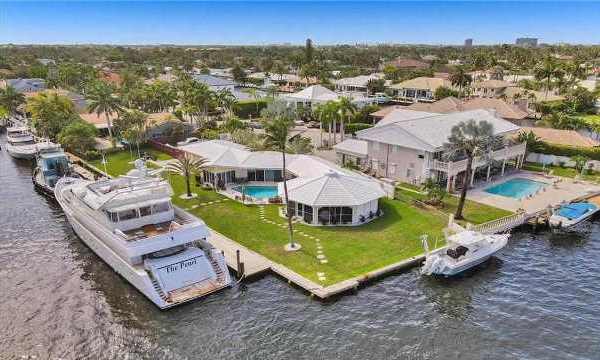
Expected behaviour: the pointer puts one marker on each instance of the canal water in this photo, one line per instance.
(539, 299)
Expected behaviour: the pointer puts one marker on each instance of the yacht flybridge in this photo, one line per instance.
(20, 143)
(131, 224)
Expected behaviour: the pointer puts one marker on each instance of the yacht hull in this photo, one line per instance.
(135, 275)
(17, 153)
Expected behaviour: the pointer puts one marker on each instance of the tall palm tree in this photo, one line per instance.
(102, 100)
(461, 79)
(545, 72)
(345, 109)
(279, 119)
(134, 123)
(11, 99)
(186, 165)
(470, 139)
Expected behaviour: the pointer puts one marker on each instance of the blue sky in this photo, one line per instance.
(326, 22)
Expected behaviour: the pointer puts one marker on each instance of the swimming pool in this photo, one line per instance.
(258, 191)
(516, 188)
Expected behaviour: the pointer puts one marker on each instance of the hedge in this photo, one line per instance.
(246, 108)
(352, 128)
(565, 150)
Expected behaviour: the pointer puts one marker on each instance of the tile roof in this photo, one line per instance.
(452, 104)
(561, 137)
(423, 82)
(353, 147)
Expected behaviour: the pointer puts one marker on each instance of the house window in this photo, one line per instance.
(112, 216)
(409, 173)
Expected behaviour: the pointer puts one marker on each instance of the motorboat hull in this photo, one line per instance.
(558, 221)
(439, 263)
(136, 275)
(24, 154)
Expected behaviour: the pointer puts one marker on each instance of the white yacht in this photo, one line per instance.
(51, 164)
(464, 251)
(20, 143)
(131, 224)
(568, 215)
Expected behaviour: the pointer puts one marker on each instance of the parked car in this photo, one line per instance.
(313, 124)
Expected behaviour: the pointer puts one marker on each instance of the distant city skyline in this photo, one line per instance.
(288, 22)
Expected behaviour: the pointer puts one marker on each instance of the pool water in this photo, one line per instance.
(258, 192)
(516, 188)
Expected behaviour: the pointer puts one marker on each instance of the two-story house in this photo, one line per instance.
(410, 146)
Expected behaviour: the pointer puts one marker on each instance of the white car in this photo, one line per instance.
(187, 141)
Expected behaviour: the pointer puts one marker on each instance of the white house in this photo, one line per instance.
(419, 89)
(334, 195)
(410, 146)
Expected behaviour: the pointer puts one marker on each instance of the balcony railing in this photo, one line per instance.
(455, 167)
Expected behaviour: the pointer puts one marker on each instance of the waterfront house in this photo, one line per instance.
(409, 146)
(316, 186)
(419, 89)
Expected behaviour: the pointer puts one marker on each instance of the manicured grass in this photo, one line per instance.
(350, 251)
(119, 163)
(589, 175)
(590, 119)
(474, 212)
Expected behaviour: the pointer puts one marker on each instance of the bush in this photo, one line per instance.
(91, 155)
(352, 128)
(569, 151)
(246, 108)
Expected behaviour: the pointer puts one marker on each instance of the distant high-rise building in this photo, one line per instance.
(468, 43)
(527, 42)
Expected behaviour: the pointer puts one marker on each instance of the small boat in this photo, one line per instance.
(131, 224)
(574, 213)
(20, 143)
(51, 164)
(464, 251)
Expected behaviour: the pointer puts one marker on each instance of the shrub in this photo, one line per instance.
(91, 155)
(352, 128)
(246, 108)
(569, 151)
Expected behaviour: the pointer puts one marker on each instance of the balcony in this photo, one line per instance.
(455, 167)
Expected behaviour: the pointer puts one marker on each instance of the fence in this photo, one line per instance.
(502, 224)
(166, 148)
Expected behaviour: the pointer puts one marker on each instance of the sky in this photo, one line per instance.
(325, 22)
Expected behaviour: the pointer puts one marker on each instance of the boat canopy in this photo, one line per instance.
(466, 238)
(575, 210)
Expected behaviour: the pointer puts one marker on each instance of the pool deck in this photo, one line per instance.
(565, 190)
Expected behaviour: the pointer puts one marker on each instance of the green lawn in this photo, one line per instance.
(590, 119)
(350, 251)
(119, 163)
(474, 212)
(589, 175)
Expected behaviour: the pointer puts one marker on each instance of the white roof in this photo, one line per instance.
(316, 93)
(353, 147)
(220, 153)
(397, 115)
(360, 80)
(333, 189)
(431, 132)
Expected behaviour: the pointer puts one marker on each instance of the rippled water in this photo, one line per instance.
(539, 299)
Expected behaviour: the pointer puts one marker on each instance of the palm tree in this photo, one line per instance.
(134, 123)
(11, 99)
(345, 109)
(471, 139)
(546, 71)
(187, 165)
(102, 100)
(279, 119)
(461, 79)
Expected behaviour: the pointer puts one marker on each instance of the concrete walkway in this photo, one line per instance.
(552, 194)
(254, 263)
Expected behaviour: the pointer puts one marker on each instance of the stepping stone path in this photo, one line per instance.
(321, 257)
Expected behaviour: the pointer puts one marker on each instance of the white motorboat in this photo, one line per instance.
(132, 225)
(463, 251)
(20, 143)
(51, 164)
(571, 214)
